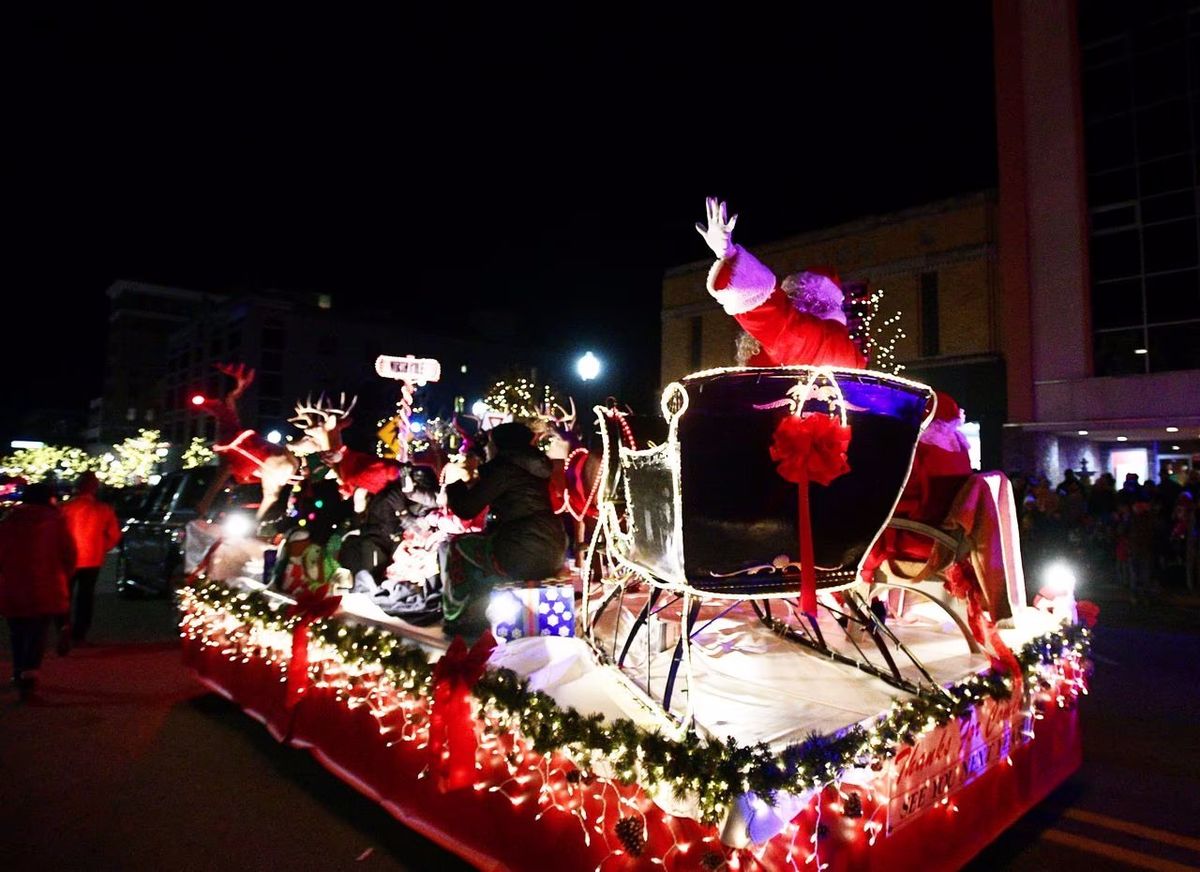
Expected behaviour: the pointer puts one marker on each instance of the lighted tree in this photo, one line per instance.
(197, 453)
(875, 334)
(519, 397)
(133, 460)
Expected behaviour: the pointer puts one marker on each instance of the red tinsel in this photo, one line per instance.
(310, 606)
(451, 722)
(811, 448)
(963, 583)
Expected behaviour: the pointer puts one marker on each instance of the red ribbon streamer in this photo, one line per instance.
(310, 606)
(809, 448)
(963, 583)
(451, 723)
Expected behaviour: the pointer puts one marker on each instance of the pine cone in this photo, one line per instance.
(629, 832)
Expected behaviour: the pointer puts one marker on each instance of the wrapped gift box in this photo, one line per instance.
(536, 608)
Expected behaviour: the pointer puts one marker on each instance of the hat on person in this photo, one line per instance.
(511, 436)
(947, 408)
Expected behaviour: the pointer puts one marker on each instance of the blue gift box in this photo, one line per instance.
(533, 609)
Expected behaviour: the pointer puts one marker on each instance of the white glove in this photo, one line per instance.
(718, 235)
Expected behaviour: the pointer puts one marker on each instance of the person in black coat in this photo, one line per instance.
(524, 539)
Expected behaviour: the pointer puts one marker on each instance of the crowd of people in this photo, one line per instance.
(1143, 535)
(50, 558)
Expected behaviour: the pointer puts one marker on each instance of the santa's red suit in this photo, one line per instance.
(941, 467)
(799, 321)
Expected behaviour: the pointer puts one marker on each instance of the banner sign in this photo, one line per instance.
(952, 756)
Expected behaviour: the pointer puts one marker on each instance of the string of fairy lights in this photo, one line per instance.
(604, 773)
(878, 338)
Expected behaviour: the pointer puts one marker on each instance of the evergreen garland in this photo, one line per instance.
(716, 773)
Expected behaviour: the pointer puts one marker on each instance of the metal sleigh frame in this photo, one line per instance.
(611, 570)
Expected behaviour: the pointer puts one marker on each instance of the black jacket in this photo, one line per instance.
(528, 538)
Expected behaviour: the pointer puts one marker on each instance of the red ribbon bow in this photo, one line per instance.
(310, 606)
(451, 725)
(810, 448)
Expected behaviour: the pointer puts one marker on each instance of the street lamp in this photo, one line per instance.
(588, 366)
(274, 437)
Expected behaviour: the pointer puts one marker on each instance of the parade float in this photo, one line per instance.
(748, 668)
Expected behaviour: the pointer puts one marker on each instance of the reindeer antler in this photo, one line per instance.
(242, 376)
(323, 413)
(561, 417)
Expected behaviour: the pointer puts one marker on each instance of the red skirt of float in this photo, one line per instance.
(491, 830)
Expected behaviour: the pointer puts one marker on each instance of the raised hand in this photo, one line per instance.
(718, 235)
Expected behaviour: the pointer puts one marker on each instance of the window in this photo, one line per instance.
(1141, 106)
(930, 345)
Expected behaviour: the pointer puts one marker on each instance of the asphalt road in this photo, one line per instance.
(128, 763)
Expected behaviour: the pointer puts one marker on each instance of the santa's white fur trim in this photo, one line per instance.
(751, 283)
(816, 295)
(945, 435)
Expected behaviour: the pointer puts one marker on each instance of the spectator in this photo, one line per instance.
(94, 529)
(37, 557)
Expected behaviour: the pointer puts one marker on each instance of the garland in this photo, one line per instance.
(716, 773)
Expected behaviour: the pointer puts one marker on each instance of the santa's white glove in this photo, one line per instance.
(718, 235)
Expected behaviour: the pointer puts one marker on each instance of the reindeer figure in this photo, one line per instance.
(248, 457)
(323, 423)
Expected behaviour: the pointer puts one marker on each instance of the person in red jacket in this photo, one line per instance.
(93, 526)
(797, 321)
(37, 557)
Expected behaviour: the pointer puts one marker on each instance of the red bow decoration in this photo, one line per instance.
(451, 725)
(1088, 612)
(810, 448)
(310, 606)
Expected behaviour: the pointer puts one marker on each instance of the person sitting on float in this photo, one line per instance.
(524, 539)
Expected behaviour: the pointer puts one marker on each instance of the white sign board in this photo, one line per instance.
(418, 370)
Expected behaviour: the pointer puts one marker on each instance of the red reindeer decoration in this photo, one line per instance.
(248, 457)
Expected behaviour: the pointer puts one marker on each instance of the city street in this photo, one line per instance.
(129, 763)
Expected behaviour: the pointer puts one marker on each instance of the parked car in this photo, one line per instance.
(150, 556)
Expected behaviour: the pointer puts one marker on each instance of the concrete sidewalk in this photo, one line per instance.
(128, 763)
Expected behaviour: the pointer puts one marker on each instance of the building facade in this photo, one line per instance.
(142, 318)
(1098, 117)
(165, 344)
(936, 265)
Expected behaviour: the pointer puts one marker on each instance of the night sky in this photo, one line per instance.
(554, 165)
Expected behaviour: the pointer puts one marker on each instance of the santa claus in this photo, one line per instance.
(799, 320)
